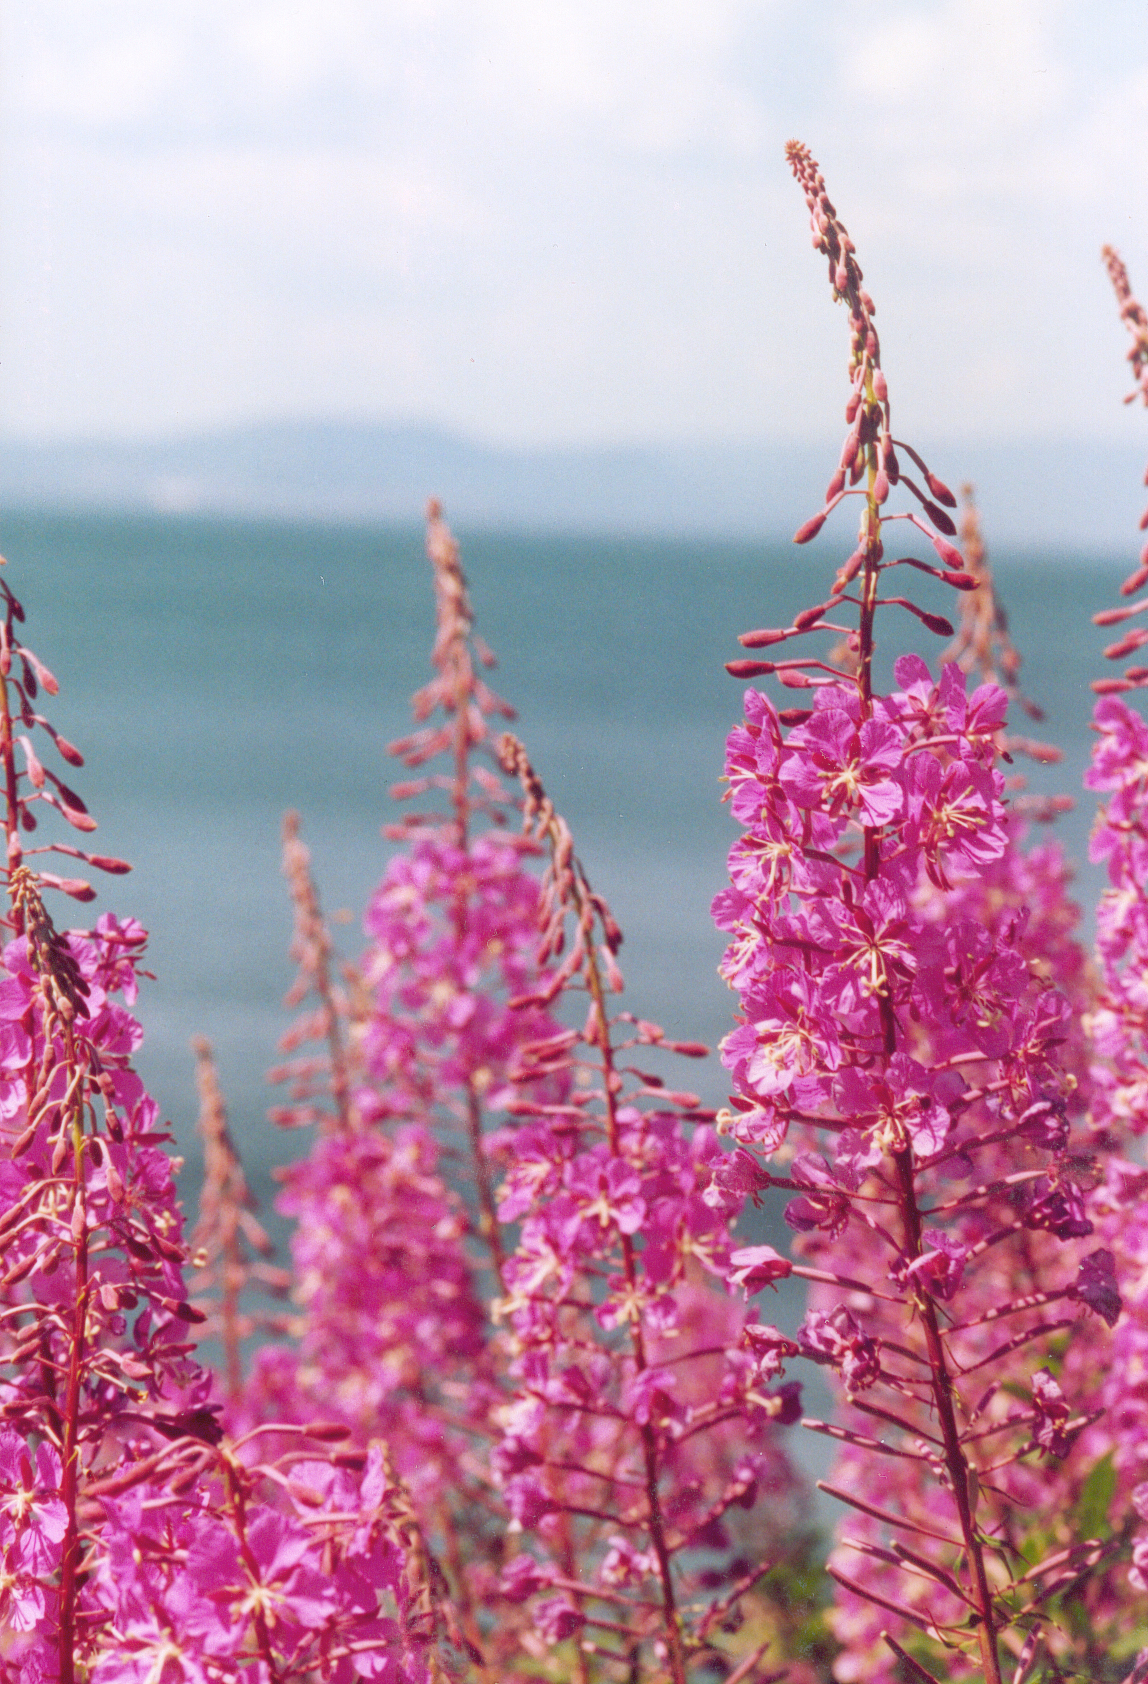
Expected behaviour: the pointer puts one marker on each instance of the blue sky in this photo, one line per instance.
(545, 221)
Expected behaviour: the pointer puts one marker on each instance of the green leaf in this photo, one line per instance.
(1095, 1500)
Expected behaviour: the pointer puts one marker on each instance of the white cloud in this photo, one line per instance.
(558, 218)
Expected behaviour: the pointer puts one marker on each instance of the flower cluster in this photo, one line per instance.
(925, 1052)
(645, 1402)
(136, 1542)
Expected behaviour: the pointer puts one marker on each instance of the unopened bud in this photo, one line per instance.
(940, 519)
(749, 669)
(105, 862)
(41, 671)
(811, 528)
(69, 751)
(1127, 645)
(809, 616)
(940, 490)
(950, 555)
(31, 759)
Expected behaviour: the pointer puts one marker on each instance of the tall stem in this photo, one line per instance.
(489, 1227)
(649, 1435)
(942, 1383)
(69, 1447)
(955, 1459)
(238, 1506)
(12, 809)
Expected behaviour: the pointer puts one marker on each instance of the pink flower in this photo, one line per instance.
(756, 1267)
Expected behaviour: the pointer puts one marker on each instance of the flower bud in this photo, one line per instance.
(749, 669)
(811, 528)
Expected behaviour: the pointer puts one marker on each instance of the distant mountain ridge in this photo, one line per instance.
(1062, 494)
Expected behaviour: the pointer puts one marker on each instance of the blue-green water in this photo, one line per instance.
(216, 673)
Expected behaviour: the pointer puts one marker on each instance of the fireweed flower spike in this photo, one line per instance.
(984, 646)
(452, 922)
(135, 1542)
(918, 1052)
(230, 1247)
(1135, 677)
(1119, 1023)
(319, 1084)
(1021, 898)
(385, 1304)
(644, 1411)
(411, 1062)
(1120, 837)
(93, 1311)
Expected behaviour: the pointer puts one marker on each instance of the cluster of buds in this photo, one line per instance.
(1135, 677)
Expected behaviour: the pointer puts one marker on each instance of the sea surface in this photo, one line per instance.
(216, 673)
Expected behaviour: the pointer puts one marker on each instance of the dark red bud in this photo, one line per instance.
(940, 519)
(1110, 686)
(811, 528)
(761, 639)
(69, 751)
(1135, 581)
(880, 386)
(950, 555)
(936, 623)
(1112, 616)
(795, 716)
(961, 581)
(809, 616)
(880, 487)
(1144, 521)
(749, 669)
(1127, 645)
(795, 680)
(836, 485)
(940, 490)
